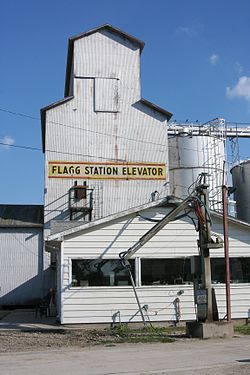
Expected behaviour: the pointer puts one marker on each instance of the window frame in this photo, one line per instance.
(138, 274)
(96, 286)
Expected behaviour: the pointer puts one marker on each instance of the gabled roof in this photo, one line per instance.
(164, 202)
(23, 216)
(59, 236)
(92, 31)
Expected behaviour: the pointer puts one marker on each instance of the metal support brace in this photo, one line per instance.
(144, 239)
(155, 229)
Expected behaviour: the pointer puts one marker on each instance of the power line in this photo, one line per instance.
(20, 146)
(54, 151)
(30, 148)
(19, 114)
(80, 128)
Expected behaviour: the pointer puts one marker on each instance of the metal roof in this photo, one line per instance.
(59, 236)
(164, 202)
(43, 116)
(156, 108)
(241, 164)
(12, 215)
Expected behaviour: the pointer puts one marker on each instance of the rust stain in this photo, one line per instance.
(116, 156)
(116, 151)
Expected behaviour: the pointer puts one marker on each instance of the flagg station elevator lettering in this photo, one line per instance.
(107, 171)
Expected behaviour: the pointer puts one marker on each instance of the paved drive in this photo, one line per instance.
(224, 356)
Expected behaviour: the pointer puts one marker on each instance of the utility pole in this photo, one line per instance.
(226, 251)
(205, 244)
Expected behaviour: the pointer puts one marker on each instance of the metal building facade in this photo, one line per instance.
(24, 266)
(103, 119)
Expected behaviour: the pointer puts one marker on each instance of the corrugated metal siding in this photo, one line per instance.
(59, 281)
(177, 239)
(22, 265)
(241, 181)
(106, 96)
(104, 54)
(77, 133)
(190, 156)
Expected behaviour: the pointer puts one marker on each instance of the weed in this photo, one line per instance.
(123, 333)
(244, 329)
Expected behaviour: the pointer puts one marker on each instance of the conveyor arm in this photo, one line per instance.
(155, 229)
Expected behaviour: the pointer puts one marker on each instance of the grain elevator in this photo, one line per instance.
(106, 148)
(111, 159)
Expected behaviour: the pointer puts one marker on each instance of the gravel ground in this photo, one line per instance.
(15, 341)
(71, 351)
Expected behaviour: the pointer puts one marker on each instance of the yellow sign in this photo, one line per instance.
(107, 171)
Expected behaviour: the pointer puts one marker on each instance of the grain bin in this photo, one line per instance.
(241, 183)
(190, 155)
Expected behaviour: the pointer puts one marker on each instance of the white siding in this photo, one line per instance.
(177, 239)
(76, 132)
(95, 305)
(22, 265)
(106, 95)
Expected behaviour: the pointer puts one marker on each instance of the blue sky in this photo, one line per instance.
(196, 64)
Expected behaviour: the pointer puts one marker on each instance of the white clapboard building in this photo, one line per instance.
(94, 288)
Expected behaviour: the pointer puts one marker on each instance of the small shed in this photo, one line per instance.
(23, 264)
(93, 288)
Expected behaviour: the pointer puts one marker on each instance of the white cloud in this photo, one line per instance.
(187, 30)
(214, 58)
(184, 29)
(6, 142)
(240, 90)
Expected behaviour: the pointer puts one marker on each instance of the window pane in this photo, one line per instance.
(218, 270)
(239, 270)
(100, 272)
(165, 271)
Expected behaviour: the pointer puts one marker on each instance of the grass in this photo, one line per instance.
(243, 329)
(146, 334)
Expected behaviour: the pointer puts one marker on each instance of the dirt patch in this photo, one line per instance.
(15, 341)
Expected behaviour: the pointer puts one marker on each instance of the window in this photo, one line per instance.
(239, 270)
(100, 272)
(165, 271)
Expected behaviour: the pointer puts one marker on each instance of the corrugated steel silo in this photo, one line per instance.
(190, 155)
(241, 182)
